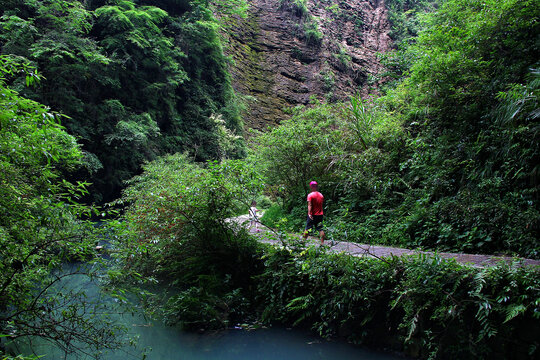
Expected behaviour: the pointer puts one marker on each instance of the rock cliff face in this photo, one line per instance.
(286, 51)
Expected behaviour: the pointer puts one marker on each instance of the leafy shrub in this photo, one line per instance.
(277, 218)
(313, 35)
(206, 308)
(405, 17)
(298, 151)
(308, 23)
(299, 7)
(446, 160)
(433, 308)
(343, 58)
(42, 227)
(328, 78)
(180, 236)
(264, 202)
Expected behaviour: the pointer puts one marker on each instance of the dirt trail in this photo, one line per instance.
(378, 251)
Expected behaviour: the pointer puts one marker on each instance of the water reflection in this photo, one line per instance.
(156, 341)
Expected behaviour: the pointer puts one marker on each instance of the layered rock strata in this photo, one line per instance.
(284, 53)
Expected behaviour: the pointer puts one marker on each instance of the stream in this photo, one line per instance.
(155, 341)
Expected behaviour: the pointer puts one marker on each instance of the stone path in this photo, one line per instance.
(378, 251)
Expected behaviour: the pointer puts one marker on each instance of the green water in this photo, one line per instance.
(159, 342)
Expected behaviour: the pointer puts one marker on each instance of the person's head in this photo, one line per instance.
(253, 203)
(313, 186)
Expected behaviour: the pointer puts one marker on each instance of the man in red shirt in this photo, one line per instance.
(315, 211)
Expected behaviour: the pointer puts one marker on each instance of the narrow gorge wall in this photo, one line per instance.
(286, 51)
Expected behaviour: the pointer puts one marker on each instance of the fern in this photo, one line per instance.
(412, 327)
(513, 311)
(478, 283)
(301, 305)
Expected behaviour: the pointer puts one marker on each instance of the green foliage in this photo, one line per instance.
(263, 202)
(455, 57)
(298, 150)
(405, 17)
(343, 58)
(299, 7)
(225, 8)
(209, 95)
(446, 160)
(273, 217)
(180, 240)
(119, 69)
(181, 237)
(470, 191)
(433, 308)
(277, 218)
(41, 226)
(347, 148)
(328, 78)
(313, 35)
(308, 22)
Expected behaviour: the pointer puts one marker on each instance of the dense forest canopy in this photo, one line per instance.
(135, 80)
(131, 103)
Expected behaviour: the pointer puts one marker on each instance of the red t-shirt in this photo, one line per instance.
(316, 199)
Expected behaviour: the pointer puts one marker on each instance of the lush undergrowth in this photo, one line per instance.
(425, 306)
(447, 160)
(42, 226)
(178, 236)
(200, 270)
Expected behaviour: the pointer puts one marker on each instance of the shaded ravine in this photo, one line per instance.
(379, 251)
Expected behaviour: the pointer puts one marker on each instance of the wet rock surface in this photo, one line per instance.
(276, 64)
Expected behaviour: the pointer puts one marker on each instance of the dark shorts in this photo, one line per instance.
(315, 223)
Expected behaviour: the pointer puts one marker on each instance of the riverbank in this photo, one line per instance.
(424, 306)
(151, 339)
(217, 274)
